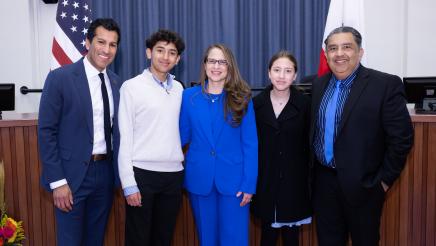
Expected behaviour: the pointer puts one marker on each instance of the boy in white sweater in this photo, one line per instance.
(150, 156)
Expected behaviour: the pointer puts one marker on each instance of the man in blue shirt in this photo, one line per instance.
(361, 134)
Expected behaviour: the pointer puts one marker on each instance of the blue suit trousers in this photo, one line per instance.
(219, 219)
(85, 224)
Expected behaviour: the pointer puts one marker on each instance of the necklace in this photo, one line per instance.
(215, 98)
(279, 101)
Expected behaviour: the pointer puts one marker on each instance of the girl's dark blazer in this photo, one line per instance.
(283, 158)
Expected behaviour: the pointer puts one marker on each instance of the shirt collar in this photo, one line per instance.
(167, 84)
(348, 80)
(90, 70)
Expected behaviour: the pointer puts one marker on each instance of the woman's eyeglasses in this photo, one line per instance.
(214, 61)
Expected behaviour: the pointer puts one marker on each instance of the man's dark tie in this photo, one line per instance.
(106, 116)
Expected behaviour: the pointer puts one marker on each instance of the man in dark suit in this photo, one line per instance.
(77, 128)
(361, 135)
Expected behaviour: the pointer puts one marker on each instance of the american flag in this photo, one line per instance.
(72, 21)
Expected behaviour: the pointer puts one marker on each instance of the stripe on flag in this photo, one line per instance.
(58, 53)
(72, 21)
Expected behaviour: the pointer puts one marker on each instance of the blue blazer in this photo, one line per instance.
(228, 160)
(65, 125)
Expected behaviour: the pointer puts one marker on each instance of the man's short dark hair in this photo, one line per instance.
(166, 36)
(346, 29)
(107, 23)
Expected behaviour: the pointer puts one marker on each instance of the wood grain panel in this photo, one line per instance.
(430, 223)
(417, 185)
(6, 156)
(409, 215)
(35, 196)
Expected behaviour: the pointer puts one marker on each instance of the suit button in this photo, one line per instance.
(212, 153)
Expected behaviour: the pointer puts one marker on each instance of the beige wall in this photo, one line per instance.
(401, 36)
(26, 31)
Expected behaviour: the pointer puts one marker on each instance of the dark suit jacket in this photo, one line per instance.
(65, 125)
(375, 133)
(283, 158)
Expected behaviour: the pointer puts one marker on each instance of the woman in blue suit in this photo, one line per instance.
(217, 121)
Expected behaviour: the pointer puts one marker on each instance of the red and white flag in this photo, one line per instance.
(72, 21)
(341, 13)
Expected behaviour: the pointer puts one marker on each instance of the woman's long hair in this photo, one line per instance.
(238, 93)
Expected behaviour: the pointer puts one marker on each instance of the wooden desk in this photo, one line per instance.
(409, 216)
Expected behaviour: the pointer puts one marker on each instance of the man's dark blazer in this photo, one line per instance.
(65, 125)
(374, 135)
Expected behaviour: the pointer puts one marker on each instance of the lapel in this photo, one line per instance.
(204, 116)
(359, 84)
(115, 90)
(220, 121)
(82, 86)
(291, 108)
(265, 109)
(318, 88)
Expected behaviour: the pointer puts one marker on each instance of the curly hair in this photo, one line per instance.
(237, 90)
(167, 36)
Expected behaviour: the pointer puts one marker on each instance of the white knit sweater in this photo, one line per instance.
(149, 127)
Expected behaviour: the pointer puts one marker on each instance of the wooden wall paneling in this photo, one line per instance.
(7, 159)
(27, 182)
(48, 223)
(308, 234)
(255, 231)
(383, 225)
(430, 218)
(115, 228)
(405, 208)
(304, 236)
(121, 215)
(314, 238)
(391, 209)
(16, 211)
(409, 216)
(178, 230)
(179, 237)
(21, 178)
(119, 207)
(110, 237)
(417, 189)
(33, 167)
(184, 231)
(425, 153)
(191, 237)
